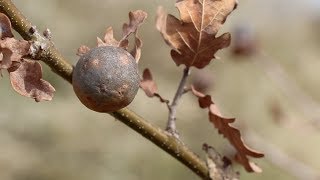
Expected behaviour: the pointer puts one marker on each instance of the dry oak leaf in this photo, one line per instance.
(149, 86)
(109, 39)
(229, 132)
(5, 26)
(193, 38)
(27, 81)
(136, 51)
(136, 18)
(12, 50)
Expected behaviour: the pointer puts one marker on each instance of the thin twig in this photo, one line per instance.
(60, 66)
(171, 125)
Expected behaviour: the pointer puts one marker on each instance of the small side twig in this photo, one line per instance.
(171, 124)
(154, 134)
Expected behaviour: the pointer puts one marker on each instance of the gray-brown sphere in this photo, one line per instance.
(106, 79)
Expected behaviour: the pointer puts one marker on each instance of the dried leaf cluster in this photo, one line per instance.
(149, 86)
(193, 37)
(194, 42)
(25, 75)
(136, 18)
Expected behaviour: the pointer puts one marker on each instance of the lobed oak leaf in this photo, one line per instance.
(100, 42)
(12, 50)
(6, 59)
(27, 81)
(124, 44)
(136, 52)
(231, 133)
(249, 166)
(234, 137)
(5, 27)
(148, 85)
(193, 38)
(136, 18)
(14, 66)
(109, 38)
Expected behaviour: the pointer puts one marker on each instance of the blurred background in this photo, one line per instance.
(268, 79)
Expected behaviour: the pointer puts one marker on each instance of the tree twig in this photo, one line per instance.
(171, 124)
(59, 65)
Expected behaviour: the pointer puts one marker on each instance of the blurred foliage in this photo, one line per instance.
(61, 139)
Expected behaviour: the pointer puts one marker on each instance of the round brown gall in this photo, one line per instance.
(106, 79)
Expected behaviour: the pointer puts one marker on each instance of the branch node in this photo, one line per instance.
(32, 30)
(47, 34)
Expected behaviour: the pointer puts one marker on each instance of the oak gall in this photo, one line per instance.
(106, 79)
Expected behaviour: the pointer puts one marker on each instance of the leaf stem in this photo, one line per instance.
(171, 124)
(60, 66)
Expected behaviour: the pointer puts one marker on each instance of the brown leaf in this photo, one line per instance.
(12, 50)
(136, 52)
(161, 21)
(6, 59)
(150, 87)
(5, 27)
(249, 166)
(234, 137)
(109, 38)
(205, 101)
(228, 131)
(14, 66)
(27, 81)
(193, 38)
(100, 42)
(147, 84)
(124, 44)
(82, 50)
(136, 18)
